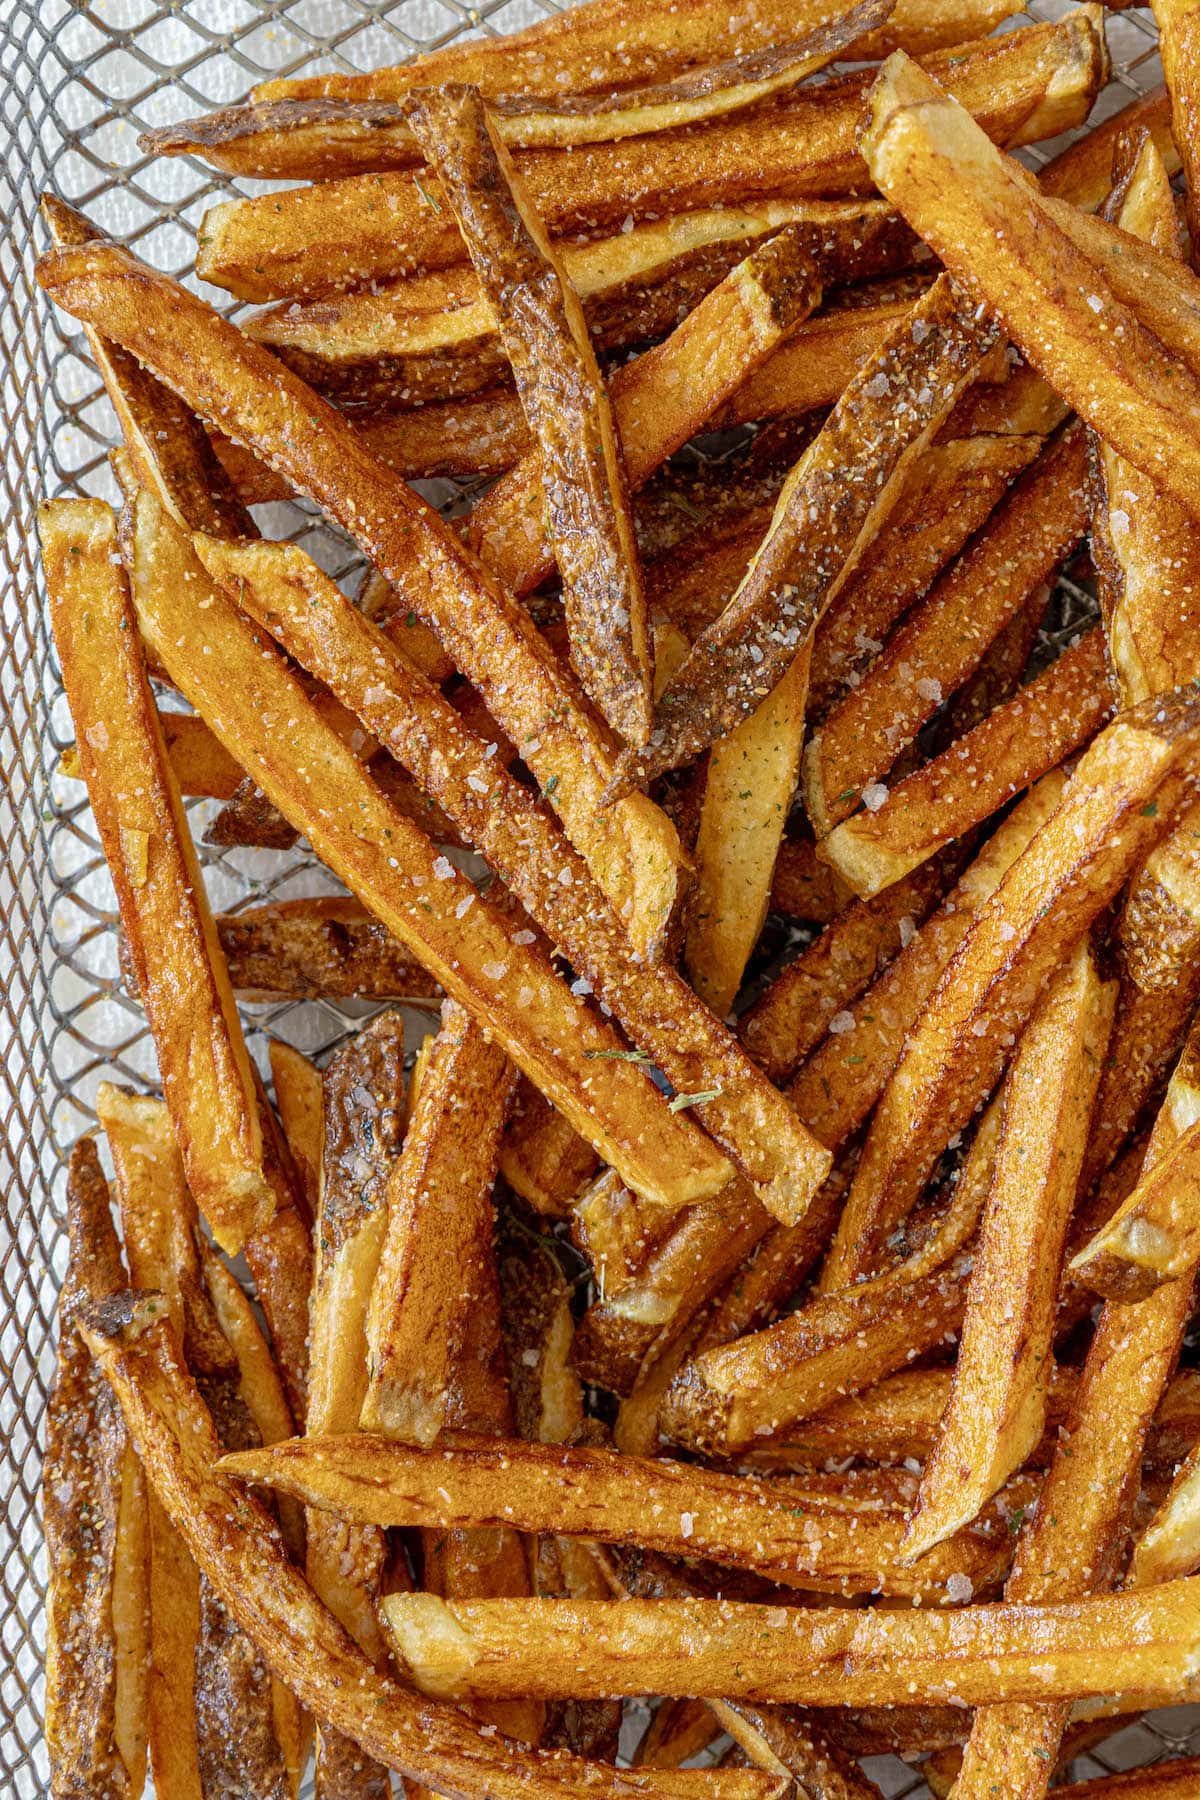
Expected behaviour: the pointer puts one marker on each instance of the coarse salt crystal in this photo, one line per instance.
(874, 795)
(686, 1522)
(959, 1587)
(495, 971)
(443, 868)
(841, 1022)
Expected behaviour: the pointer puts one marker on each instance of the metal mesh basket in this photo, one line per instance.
(77, 83)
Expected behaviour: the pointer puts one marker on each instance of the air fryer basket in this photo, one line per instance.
(77, 83)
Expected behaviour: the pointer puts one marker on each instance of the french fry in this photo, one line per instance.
(93, 1508)
(1166, 1781)
(945, 638)
(305, 140)
(201, 764)
(664, 397)
(1121, 798)
(612, 45)
(1179, 46)
(1012, 747)
(168, 927)
(487, 634)
(374, 849)
(833, 504)
(298, 1097)
(712, 1076)
(331, 948)
(309, 241)
(1148, 573)
(793, 1655)
(926, 155)
(997, 1411)
(234, 1539)
(542, 1157)
(948, 494)
(611, 1227)
(804, 888)
(545, 337)
(775, 1738)
(839, 1342)
(1082, 173)
(436, 1195)
(677, 1732)
(793, 1015)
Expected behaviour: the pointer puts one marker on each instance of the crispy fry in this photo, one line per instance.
(93, 1511)
(633, 849)
(804, 888)
(327, 948)
(612, 1228)
(436, 1193)
(612, 45)
(677, 1732)
(298, 1097)
(234, 1539)
(843, 1657)
(1166, 1781)
(793, 1015)
(535, 1318)
(664, 397)
(298, 140)
(201, 764)
(542, 1157)
(181, 976)
(833, 503)
(945, 638)
(777, 1739)
(459, 938)
(1120, 799)
(839, 1342)
(997, 1411)
(981, 215)
(781, 1262)
(702, 1062)
(337, 234)
(1178, 24)
(545, 337)
(1012, 747)
(1082, 173)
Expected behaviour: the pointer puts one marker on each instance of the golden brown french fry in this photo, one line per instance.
(711, 1075)
(306, 949)
(781, 1529)
(840, 1342)
(164, 912)
(793, 1015)
(301, 140)
(201, 764)
(677, 1732)
(1082, 173)
(240, 685)
(298, 1097)
(1174, 1780)
(997, 1411)
(546, 340)
(234, 1539)
(1013, 746)
(633, 849)
(542, 1157)
(1179, 46)
(1023, 86)
(1147, 569)
(1121, 798)
(982, 216)
(843, 1657)
(612, 44)
(536, 1322)
(946, 636)
(437, 1193)
(93, 1509)
(802, 887)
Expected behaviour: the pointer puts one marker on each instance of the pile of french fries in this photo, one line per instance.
(765, 1294)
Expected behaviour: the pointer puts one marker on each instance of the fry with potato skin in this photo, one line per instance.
(377, 852)
(95, 1667)
(545, 336)
(945, 637)
(168, 927)
(1014, 745)
(1122, 796)
(235, 1540)
(633, 850)
(997, 1411)
(981, 215)
(740, 1110)
(542, 1158)
(1024, 85)
(328, 948)
(1178, 24)
(793, 1655)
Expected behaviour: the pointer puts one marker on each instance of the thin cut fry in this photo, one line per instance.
(710, 1073)
(981, 215)
(633, 850)
(168, 927)
(475, 952)
(545, 336)
(1012, 747)
(297, 140)
(235, 1541)
(309, 241)
(1120, 799)
(997, 1411)
(95, 1545)
(944, 639)
(489, 1649)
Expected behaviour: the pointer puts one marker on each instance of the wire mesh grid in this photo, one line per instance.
(78, 81)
